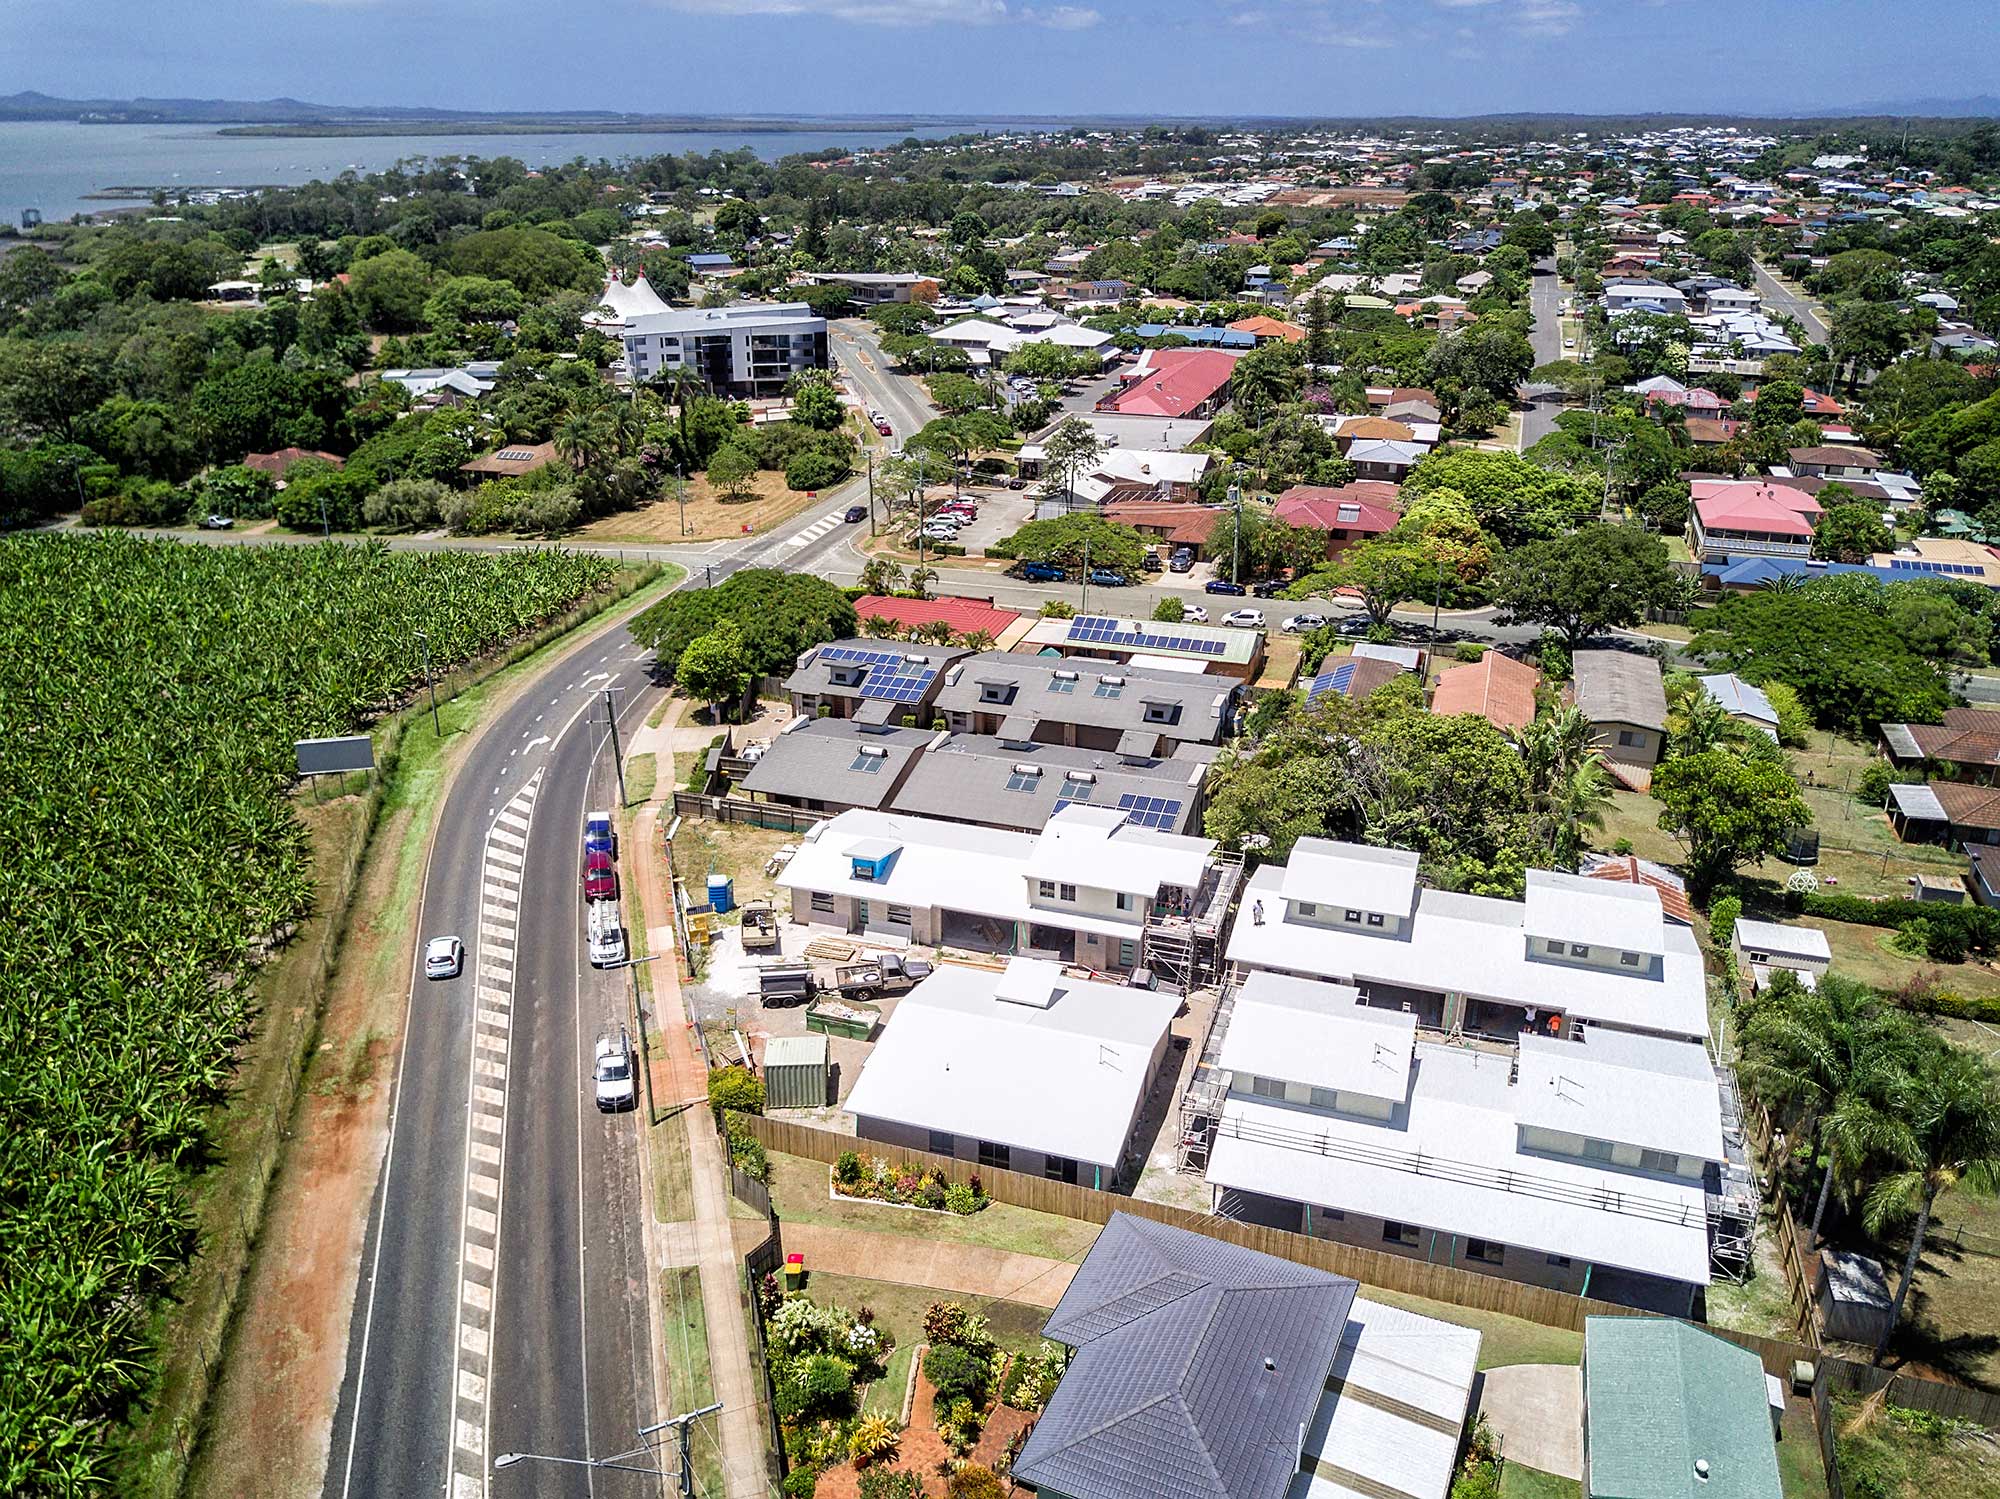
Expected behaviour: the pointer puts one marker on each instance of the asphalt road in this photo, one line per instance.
(863, 365)
(1545, 338)
(1780, 300)
(569, 1345)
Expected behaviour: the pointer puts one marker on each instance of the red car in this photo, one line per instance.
(600, 880)
(883, 428)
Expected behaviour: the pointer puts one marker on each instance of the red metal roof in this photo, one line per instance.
(1496, 687)
(1366, 505)
(965, 616)
(1175, 383)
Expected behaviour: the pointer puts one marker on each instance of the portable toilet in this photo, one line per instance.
(795, 1072)
(722, 893)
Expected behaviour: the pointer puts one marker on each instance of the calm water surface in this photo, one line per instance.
(52, 165)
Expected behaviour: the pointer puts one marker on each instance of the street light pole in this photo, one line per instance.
(618, 1461)
(681, 493)
(431, 683)
(1236, 536)
(871, 494)
(617, 755)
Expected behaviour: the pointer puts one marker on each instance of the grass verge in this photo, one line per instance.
(799, 1192)
(195, 1329)
(690, 1382)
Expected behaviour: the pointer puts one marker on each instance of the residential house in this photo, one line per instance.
(751, 349)
(1642, 296)
(1091, 887)
(875, 681)
(1019, 784)
(1177, 383)
(1751, 520)
(1630, 869)
(280, 463)
(1835, 462)
(510, 461)
(1265, 329)
(873, 288)
(1389, 462)
(1352, 676)
(1671, 1411)
(1569, 1161)
(833, 764)
(1349, 513)
(961, 615)
(1966, 746)
(1496, 687)
(447, 387)
(1948, 812)
(1620, 692)
(1203, 1370)
(1200, 336)
(1171, 524)
(1028, 1069)
(1769, 946)
(1744, 703)
(1129, 707)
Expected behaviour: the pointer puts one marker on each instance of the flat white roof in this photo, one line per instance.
(1468, 944)
(1319, 1034)
(1426, 1368)
(1065, 1079)
(1633, 1090)
(1098, 847)
(1793, 941)
(1595, 913)
(1450, 1160)
(1358, 875)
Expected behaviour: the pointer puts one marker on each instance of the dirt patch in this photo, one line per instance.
(708, 518)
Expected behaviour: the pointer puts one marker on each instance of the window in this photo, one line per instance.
(1267, 1087)
(1068, 892)
(899, 916)
(823, 903)
(1579, 950)
(1124, 901)
(1659, 1160)
(1046, 889)
(1485, 1251)
(1059, 1168)
(995, 692)
(1325, 1098)
(1024, 779)
(1307, 908)
(1108, 688)
(1597, 1150)
(1162, 712)
(1332, 1215)
(1060, 683)
(1354, 918)
(864, 871)
(869, 760)
(1405, 1234)
(1629, 959)
(1627, 739)
(943, 1142)
(1560, 1261)
(1374, 918)
(995, 1157)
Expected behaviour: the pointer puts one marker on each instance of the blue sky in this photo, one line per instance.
(974, 57)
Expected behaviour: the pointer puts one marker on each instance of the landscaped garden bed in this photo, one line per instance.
(873, 1179)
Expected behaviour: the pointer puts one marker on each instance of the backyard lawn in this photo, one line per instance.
(1909, 1455)
(1504, 1339)
(799, 1192)
(1518, 1481)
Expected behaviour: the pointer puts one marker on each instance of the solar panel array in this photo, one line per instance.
(1150, 811)
(1330, 681)
(1949, 569)
(1075, 791)
(1094, 629)
(514, 455)
(890, 675)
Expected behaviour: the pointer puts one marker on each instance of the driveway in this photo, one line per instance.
(1536, 1412)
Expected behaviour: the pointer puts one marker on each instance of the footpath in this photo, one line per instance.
(679, 1083)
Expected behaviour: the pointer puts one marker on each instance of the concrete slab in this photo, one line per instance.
(1536, 1411)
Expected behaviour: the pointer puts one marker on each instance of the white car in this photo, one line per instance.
(1194, 614)
(444, 958)
(613, 1076)
(1247, 619)
(1304, 624)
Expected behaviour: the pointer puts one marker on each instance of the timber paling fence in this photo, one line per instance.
(1447, 1283)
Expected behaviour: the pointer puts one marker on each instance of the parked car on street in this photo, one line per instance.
(598, 835)
(613, 1077)
(444, 958)
(600, 880)
(1304, 624)
(1041, 572)
(1223, 585)
(217, 522)
(1107, 578)
(1356, 624)
(882, 426)
(1245, 619)
(1017, 482)
(1194, 614)
(1269, 588)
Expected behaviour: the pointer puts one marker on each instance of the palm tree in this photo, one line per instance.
(932, 632)
(580, 441)
(881, 575)
(1568, 786)
(920, 580)
(977, 640)
(875, 627)
(1944, 1130)
(1700, 723)
(1817, 1057)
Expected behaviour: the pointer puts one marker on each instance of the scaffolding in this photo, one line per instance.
(1182, 940)
(1735, 1201)
(1201, 1104)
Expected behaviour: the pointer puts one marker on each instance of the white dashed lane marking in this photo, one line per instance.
(485, 1137)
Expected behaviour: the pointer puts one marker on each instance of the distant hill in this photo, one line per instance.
(31, 105)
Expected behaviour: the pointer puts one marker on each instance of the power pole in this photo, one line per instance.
(430, 682)
(682, 1425)
(681, 492)
(1086, 575)
(1236, 535)
(871, 494)
(617, 755)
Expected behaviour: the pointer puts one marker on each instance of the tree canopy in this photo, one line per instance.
(779, 614)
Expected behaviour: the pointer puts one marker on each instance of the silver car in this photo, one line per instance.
(444, 958)
(613, 1076)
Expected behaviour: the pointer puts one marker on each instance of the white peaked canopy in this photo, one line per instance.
(627, 302)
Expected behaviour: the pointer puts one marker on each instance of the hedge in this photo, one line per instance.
(1964, 928)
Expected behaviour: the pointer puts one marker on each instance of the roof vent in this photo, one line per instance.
(1700, 1469)
(1271, 1367)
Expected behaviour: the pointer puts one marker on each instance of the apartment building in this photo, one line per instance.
(747, 350)
(1121, 707)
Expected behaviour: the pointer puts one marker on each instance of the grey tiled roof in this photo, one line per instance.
(816, 761)
(966, 776)
(1197, 695)
(1197, 1364)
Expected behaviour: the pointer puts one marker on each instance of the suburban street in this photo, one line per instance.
(506, 1320)
(1778, 300)
(1545, 338)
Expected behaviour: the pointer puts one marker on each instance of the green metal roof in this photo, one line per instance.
(1661, 1396)
(795, 1051)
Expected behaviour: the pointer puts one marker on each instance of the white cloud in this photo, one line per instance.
(866, 12)
(1359, 40)
(1548, 17)
(1064, 17)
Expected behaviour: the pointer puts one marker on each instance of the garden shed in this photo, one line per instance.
(795, 1072)
(1853, 1296)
